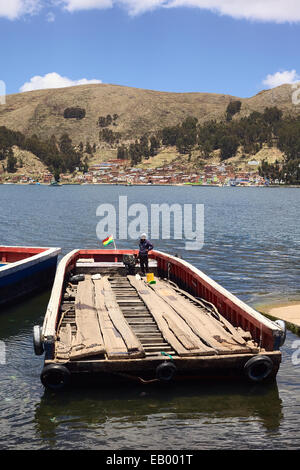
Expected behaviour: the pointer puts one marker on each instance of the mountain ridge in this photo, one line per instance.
(139, 111)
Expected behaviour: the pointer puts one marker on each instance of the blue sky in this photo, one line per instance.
(169, 45)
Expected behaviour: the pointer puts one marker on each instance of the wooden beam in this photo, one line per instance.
(133, 345)
(64, 343)
(206, 327)
(88, 340)
(110, 320)
(175, 331)
(223, 321)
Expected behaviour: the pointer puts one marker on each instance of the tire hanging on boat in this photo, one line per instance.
(166, 371)
(55, 376)
(37, 340)
(258, 368)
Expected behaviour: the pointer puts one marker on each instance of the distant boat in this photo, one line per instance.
(24, 270)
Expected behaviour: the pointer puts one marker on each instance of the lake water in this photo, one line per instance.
(252, 241)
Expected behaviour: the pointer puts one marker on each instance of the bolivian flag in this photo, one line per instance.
(108, 240)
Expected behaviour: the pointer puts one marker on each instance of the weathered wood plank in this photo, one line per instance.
(64, 342)
(226, 324)
(206, 327)
(113, 325)
(88, 340)
(162, 312)
(115, 346)
(134, 346)
(178, 327)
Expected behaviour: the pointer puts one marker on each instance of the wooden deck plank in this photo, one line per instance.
(162, 312)
(203, 325)
(64, 343)
(115, 345)
(134, 346)
(226, 324)
(88, 340)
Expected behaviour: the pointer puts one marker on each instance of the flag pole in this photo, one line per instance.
(114, 242)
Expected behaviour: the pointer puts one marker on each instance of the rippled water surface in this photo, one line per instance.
(252, 241)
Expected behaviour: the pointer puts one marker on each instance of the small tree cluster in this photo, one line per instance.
(122, 152)
(108, 136)
(233, 108)
(11, 162)
(106, 121)
(142, 148)
(74, 113)
(183, 136)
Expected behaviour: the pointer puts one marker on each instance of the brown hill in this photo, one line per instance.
(27, 165)
(42, 112)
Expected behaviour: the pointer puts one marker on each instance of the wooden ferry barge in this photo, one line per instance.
(103, 319)
(24, 270)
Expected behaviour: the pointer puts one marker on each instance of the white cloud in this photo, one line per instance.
(50, 17)
(281, 78)
(136, 7)
(13, 9)
(278, 11)
(53, 80)
(77, 5)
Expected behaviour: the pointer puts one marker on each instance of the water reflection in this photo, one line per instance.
(17, 319)
(94, 408)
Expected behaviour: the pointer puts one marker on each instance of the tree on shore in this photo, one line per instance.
(85, 168)
(56, 174)
(154, 146)
(228, 146)
(122, 152)
(88, 148)
(11, 162)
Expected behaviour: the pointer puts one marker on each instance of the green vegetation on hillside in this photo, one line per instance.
(106, 121)
(59, 156)
(249, 134)
(233, 108)
(74, 113)
(246, 135)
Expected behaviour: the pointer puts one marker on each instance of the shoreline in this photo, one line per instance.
(162, 184)
(288, 311)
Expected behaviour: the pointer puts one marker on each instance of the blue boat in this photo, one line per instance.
(25, 270)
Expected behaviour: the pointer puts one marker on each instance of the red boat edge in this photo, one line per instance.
(25, 270)
(268, 335)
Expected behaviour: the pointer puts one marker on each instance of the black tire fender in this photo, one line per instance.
(37, 340)
(166, 371)
(55, 376)
(258, 368)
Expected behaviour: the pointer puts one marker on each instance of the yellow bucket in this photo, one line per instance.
(150, 277)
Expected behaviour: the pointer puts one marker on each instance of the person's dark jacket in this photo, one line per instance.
(145, 246)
